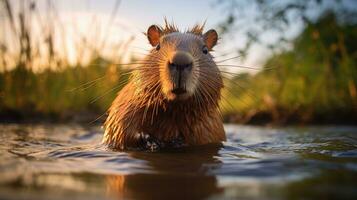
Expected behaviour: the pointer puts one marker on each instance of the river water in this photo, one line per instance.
(68, 162)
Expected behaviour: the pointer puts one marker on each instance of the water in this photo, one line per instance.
(68, 162)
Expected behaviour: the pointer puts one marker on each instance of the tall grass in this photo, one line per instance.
(42, 81)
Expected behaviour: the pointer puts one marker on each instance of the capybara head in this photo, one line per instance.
(185, 65)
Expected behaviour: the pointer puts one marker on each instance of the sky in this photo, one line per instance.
(135, 16)
(90, 18)
(143, 13)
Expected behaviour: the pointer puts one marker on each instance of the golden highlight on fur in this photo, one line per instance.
(151, 104)
(171, 28)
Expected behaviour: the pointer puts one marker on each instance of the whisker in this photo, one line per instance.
(252, 95)
(246, 67)
(221, 61)
(87, 84)
(101, 96)
(140, 63)
(146, 56)
(222, 55)
(206, 61)
(96, 119)
(120, 84)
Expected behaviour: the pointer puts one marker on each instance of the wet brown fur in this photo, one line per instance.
(141, 106)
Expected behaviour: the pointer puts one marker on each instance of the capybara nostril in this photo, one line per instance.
(181, 61)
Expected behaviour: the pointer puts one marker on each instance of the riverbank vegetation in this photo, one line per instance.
(313, 81)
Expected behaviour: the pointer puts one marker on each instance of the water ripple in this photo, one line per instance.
(279, 160)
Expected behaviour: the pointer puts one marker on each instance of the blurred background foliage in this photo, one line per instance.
(314, 81)
(309, 78)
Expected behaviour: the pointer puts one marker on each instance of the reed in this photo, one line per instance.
(41, 81)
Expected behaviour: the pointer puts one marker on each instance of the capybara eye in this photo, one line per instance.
(157, 47)
(205, 50)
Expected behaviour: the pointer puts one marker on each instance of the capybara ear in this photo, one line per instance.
(210, 38)
(153, 34)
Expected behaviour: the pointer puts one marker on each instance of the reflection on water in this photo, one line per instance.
(68, 162)
(175, 175)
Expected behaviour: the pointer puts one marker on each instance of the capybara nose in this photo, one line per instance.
(181, 61)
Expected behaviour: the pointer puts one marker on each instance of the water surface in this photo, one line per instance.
(68, 162)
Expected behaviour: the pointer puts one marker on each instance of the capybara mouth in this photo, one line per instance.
(178, 91)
